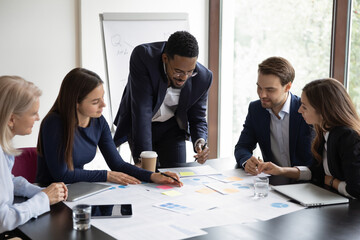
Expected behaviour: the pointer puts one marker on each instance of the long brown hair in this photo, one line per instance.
(77, 84)
(329, 98)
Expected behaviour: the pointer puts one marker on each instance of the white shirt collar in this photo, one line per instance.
(285, 109)
(326, 135)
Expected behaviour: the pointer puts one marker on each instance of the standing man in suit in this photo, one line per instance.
(164, 102)
(273, 121)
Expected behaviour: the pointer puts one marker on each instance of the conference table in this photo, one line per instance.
(327, 222)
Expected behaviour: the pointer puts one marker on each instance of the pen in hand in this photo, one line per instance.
(202, 149)
(256, 167)
(166, 175)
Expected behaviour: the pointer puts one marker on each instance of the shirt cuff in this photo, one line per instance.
(40, 204)
(243, 165)
(197, 141)
(342, 189)
(305, 173)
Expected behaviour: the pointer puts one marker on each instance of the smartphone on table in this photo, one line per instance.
(111, 211)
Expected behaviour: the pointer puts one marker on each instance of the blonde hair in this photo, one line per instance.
(16, 96)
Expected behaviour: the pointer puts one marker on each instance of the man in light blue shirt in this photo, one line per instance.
(279, 133)
(273, 121)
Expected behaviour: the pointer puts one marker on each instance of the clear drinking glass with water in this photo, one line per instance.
(261, 187)
(81, 216)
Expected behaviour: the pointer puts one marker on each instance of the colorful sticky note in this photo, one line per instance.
(234, 178)
(230, 190)
(205, 191)
(164, 187)
(172, 193)
(279, 205)
(187, 174)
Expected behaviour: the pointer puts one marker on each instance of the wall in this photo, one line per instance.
(38, 42)
(41, 39)
(91, 39)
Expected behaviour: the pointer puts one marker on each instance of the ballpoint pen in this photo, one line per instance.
(166, 175)
(202, 149)
(256, 166)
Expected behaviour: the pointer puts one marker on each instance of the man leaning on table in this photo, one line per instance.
(273, 121)
(164, 102)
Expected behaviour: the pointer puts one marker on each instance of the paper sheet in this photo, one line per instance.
(151, 230)
(192, 171)
(208, 207)
(226, 179)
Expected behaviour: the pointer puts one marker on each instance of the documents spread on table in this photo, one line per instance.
(203, 170)
(207, 199)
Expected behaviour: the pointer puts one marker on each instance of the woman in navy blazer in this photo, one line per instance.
(336, 147)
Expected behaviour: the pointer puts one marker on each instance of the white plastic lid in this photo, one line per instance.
(148, 154)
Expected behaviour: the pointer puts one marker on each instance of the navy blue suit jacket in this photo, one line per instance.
(145, 92)
(343, 155)
(257, 130)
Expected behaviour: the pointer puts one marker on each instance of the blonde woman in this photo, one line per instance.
(19, 104)
(336, 148)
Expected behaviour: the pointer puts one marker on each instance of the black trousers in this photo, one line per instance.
(168, 141)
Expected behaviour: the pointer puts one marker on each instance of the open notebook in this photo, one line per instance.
(310, 195)
(79, 190)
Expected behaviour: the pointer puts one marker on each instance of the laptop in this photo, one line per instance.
(310, 195)
(80, 190)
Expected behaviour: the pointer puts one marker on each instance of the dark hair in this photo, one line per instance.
(329, 98)
(278, 66)
(183, 44)
(77, 84)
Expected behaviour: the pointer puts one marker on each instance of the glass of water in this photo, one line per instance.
(261, 187)
(81, 216)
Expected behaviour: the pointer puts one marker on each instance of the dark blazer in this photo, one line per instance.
(343, 154)
(145, 92)
(257, 130)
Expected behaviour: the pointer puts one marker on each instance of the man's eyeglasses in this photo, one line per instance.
(181, 74)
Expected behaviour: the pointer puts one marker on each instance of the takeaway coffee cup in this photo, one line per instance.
(148, 160)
